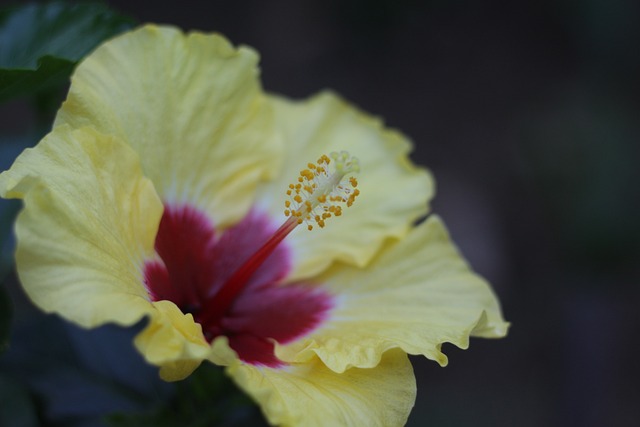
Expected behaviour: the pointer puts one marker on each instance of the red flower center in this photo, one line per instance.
(200, 270)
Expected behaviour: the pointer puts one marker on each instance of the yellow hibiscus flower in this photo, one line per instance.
(160, 193)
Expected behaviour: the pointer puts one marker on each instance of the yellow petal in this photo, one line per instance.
(173, 341)
(417, 294)
(190, 105)
(394, 192)
(89, 223)
(309, 394)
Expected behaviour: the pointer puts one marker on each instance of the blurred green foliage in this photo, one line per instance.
(69, 376)
(41, 43)
(18, 408)
(207, 398)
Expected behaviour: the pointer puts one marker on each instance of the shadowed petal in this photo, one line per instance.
(312, 395)
(173, 341)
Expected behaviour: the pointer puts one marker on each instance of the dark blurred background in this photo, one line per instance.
(528, 114)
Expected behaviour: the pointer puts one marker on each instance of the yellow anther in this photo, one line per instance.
(321, 191)
(352, 197)
(306, 173)
(324, 159)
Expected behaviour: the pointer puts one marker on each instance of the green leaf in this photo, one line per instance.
(40, 44)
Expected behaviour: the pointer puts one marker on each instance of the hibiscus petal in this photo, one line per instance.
(191, 106)
(311, 395)
(417, 294)
(173, 341)
(89, 222)
(324, 124)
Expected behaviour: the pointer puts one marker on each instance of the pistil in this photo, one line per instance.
(216, 306)
(317, 196)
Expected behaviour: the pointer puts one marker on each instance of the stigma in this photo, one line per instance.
(321, 190)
